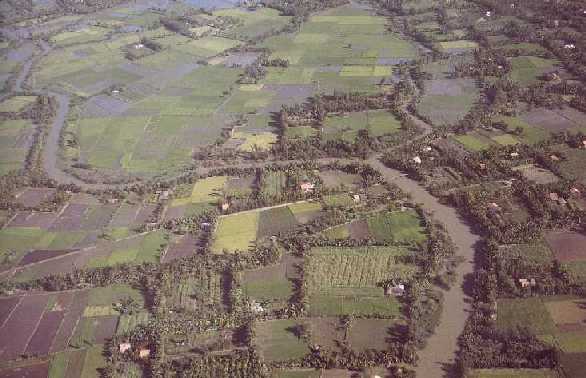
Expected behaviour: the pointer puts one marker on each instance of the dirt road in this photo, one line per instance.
(436, 359)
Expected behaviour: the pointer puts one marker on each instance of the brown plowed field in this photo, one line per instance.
(16, 332)
(40, 343)
(567, 246)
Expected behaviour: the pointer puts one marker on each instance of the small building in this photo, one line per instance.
(584, 143)
(494, 206)
(256, 307)
(139, 46)
(554, 157)
(164, 195)
(356, 198)
(488, 13)
(417, 160)
(427, 149)
(554, 196)
(205, 226)
(225, 206)
(124, 347)
(395, 290)
(307, 187)
(569, 46)
(575, 191)
(514, 154)
(144, 353)
(524, 282)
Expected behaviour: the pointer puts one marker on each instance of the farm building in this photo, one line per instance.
(307, 187)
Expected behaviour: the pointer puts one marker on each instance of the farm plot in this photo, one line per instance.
(334, 180)
(537, 174)
(200, 293)
(530, 134)
(511, 373)
(278, 342)
(448, 100)
(207, 190)
(271, 285)
(457, 47)
(397, 227)
(185, 246)
(350, 38)
(474, 141)
(33, 197)
(555, 120)
(253, 23)
(526, 69)
(567, 246)
(239, 231)
(377, 123)
(572, 167)
(334, 289)
(16, 104)
(15, 140)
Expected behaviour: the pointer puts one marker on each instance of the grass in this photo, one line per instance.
(526, 69)
(530, 135)
(526, 312)
(473, 142)
(458, 45)
(277, 342)
(235, 232)
(127, 323)
(346, 127)
(58, 365)
(275, 221)
(94, 360)
(253, 23)
(401, 227)
(338, 200)
(305, 211)
(206, 190)
(445, 109)
(505, 140)
(106, 296)
(12, 154)
(255, 141)
(273, 183)
(340, 232)
(17, 103)
(511, 373)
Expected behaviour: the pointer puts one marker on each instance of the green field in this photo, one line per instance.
(207, 190)
(396, 227)
(473, 142)
(526, 69)
(346, 127)
(512, 373)
(235, 232)
(17, 103)
(344, 280)
(277, 342)
(530, 134)
(253, 23)
(13, 153)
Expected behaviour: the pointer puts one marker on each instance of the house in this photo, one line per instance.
(514, 154)
(395, 290)
(225, 206)
(139, 46)
(569, 46)
(124, 347)
(356, 198)
(554, 157)
(584, 143)
(144, 353)
(554, 196)
(575, 191)
(417, 159)
(164, 195)
(307, 187)
(494, 206)
(256, 307)
(488, 13)
(205, 226)
(427, 149)
(524, 282)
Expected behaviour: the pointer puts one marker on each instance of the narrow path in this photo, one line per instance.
(437, 358)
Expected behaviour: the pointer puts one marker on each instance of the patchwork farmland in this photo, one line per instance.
(316, 188)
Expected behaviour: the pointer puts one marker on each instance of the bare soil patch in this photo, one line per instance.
(369, 334)
(184, 247)
(70, 321)
(553, 120)
(42, 339)
(41, 220)
(144, 213)
(105, 328)
(71, 218)
(33, 197)
(6, 307)
(358, 230)
(326, 332)
(537, 174)
(17, 330)
(40, 255)
(33, 371)
(334, 179)
(567, 246)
